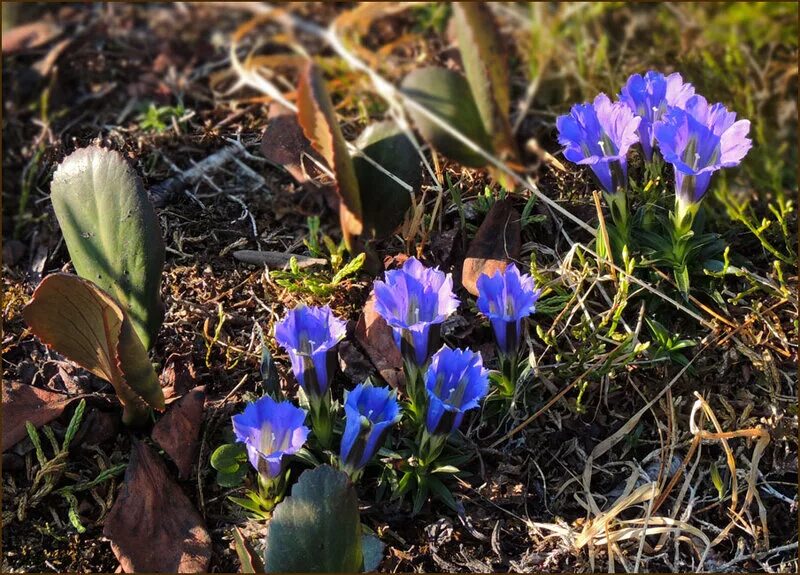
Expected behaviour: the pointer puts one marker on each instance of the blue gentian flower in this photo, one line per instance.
(270, 430)
(649, 97)
(455, 383)
(698, 141)
(310, 336)
(414, 301)
(370, 412)
(599, 135)
(506, 299)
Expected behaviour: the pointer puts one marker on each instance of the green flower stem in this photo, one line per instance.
(430, 448)
(509, 366)
(682, 220)
(321, 421)
(618, 204)
(272, 489)
(415, 392)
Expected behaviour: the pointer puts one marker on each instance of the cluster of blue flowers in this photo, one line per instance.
(414, 301)
(660, 112)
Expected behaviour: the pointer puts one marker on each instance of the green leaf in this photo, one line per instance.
(445, 469)
(317, 529)
(486, 68)
(82, 322)
(37, 443)
(249, 560)
(420, 495)
(73, 515)
(384, 200)
(349, 269)
(372, 548)
(112, 233)
(229, 457)
(74, 425)
(318, 119)
(441, 490)
(447, 95)
(231, 479)
(269, 373)
(681, 274)
(251, 504)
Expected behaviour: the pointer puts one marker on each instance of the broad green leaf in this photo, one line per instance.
(443, 492)
(486, 68)
(231, 479)
(372, 548)
(447, 95)
(228, 457)
(384, 200)
(112, 233)
(82, 322)
(316, 529)
(317, 117)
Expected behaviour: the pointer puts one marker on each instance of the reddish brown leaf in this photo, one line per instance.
(375, 336)
(23, 403)
(28, 36)
(153, 527)
(178, 432)
(178, 376)
(81, 321)
(318, 118)
(497, 242)
(285, 145)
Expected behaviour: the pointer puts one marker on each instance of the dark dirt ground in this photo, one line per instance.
(121, 58)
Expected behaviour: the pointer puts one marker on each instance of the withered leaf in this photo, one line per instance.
(79, 320)
(153, 527)
(375, 336)
(318, 118)
(497, 242)
(23, 403)
(178, 431)
(285, 145)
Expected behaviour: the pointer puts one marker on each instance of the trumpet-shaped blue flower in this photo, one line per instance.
(270, 430)
(698, 141)
(310, 336)
(599, 135)
(649, 97)
(414, 301)
(455, 382)
(370, 412)
(506, 299)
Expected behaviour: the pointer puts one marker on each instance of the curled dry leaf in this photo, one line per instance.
(497, 242)
(285, 145)
(153, 527)
(29, 36)
(377, 339)
(82, 322)
(178, 432)
(178, 376)
(318, 120)
(23, 403)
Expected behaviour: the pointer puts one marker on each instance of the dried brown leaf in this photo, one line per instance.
(153, 527)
